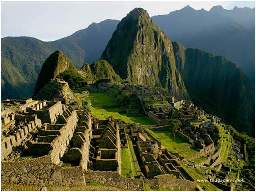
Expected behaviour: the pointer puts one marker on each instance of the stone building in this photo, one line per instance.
(106, 146)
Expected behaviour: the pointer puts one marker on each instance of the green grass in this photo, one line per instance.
(105, 105)
(200, 160)
(104, 100)
(129, 163)
(135, 165)
(126, 163)
(201, 180)
(225, 144)
(103, 114)
(173, 144)
(146, 186)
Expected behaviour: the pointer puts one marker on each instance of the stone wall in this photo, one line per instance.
(16, 139)
(108, 140)
(40, 171)
(118, 146)
(50, 115)
(7, 117)
(86, 145)
(38, 106)
(29, 171)
(170, 183)
(78, 151)
(114, 179)
(208, 150)
(29, 103)
(61, 142)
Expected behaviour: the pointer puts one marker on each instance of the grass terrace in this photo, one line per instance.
(104, 105)
(129, 164)
(225, 144)
(173, 144)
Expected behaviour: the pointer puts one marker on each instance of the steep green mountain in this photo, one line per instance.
(54, 65)
(21, 62)
(100, 70)
(13, 79)
(25, 56)
(218, 85)
(143, 55)
(57, 71)
(89, 74)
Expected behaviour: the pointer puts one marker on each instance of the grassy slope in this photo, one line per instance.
(104, 105)
(129, 164)
(126, 163)
(225, 144)
(173, 144)
(197, 174)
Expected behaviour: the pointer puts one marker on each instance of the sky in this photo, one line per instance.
(53, 20)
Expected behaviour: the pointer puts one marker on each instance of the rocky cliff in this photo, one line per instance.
(54, 65)
(143, 55)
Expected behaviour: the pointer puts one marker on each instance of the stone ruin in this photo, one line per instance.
(106, 146)
(203, 135)
(65, 135)
(78, 150)
(57, 140)
(154, 158)
(37, 128)
(18, 123)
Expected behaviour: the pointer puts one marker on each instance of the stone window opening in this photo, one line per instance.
(11, 141)
(5, 145)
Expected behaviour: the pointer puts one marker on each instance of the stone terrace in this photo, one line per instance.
(153, 158)
(106, 146)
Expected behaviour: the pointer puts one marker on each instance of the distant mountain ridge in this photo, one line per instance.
(228, 33)
(22, 57)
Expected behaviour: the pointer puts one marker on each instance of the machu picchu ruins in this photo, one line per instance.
(133, 111)
(68, 138)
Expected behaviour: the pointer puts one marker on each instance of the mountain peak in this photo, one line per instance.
(188, 8)
(55, 64)
(217, 8)
(137, 12)
(143, 55)
(57, 54)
